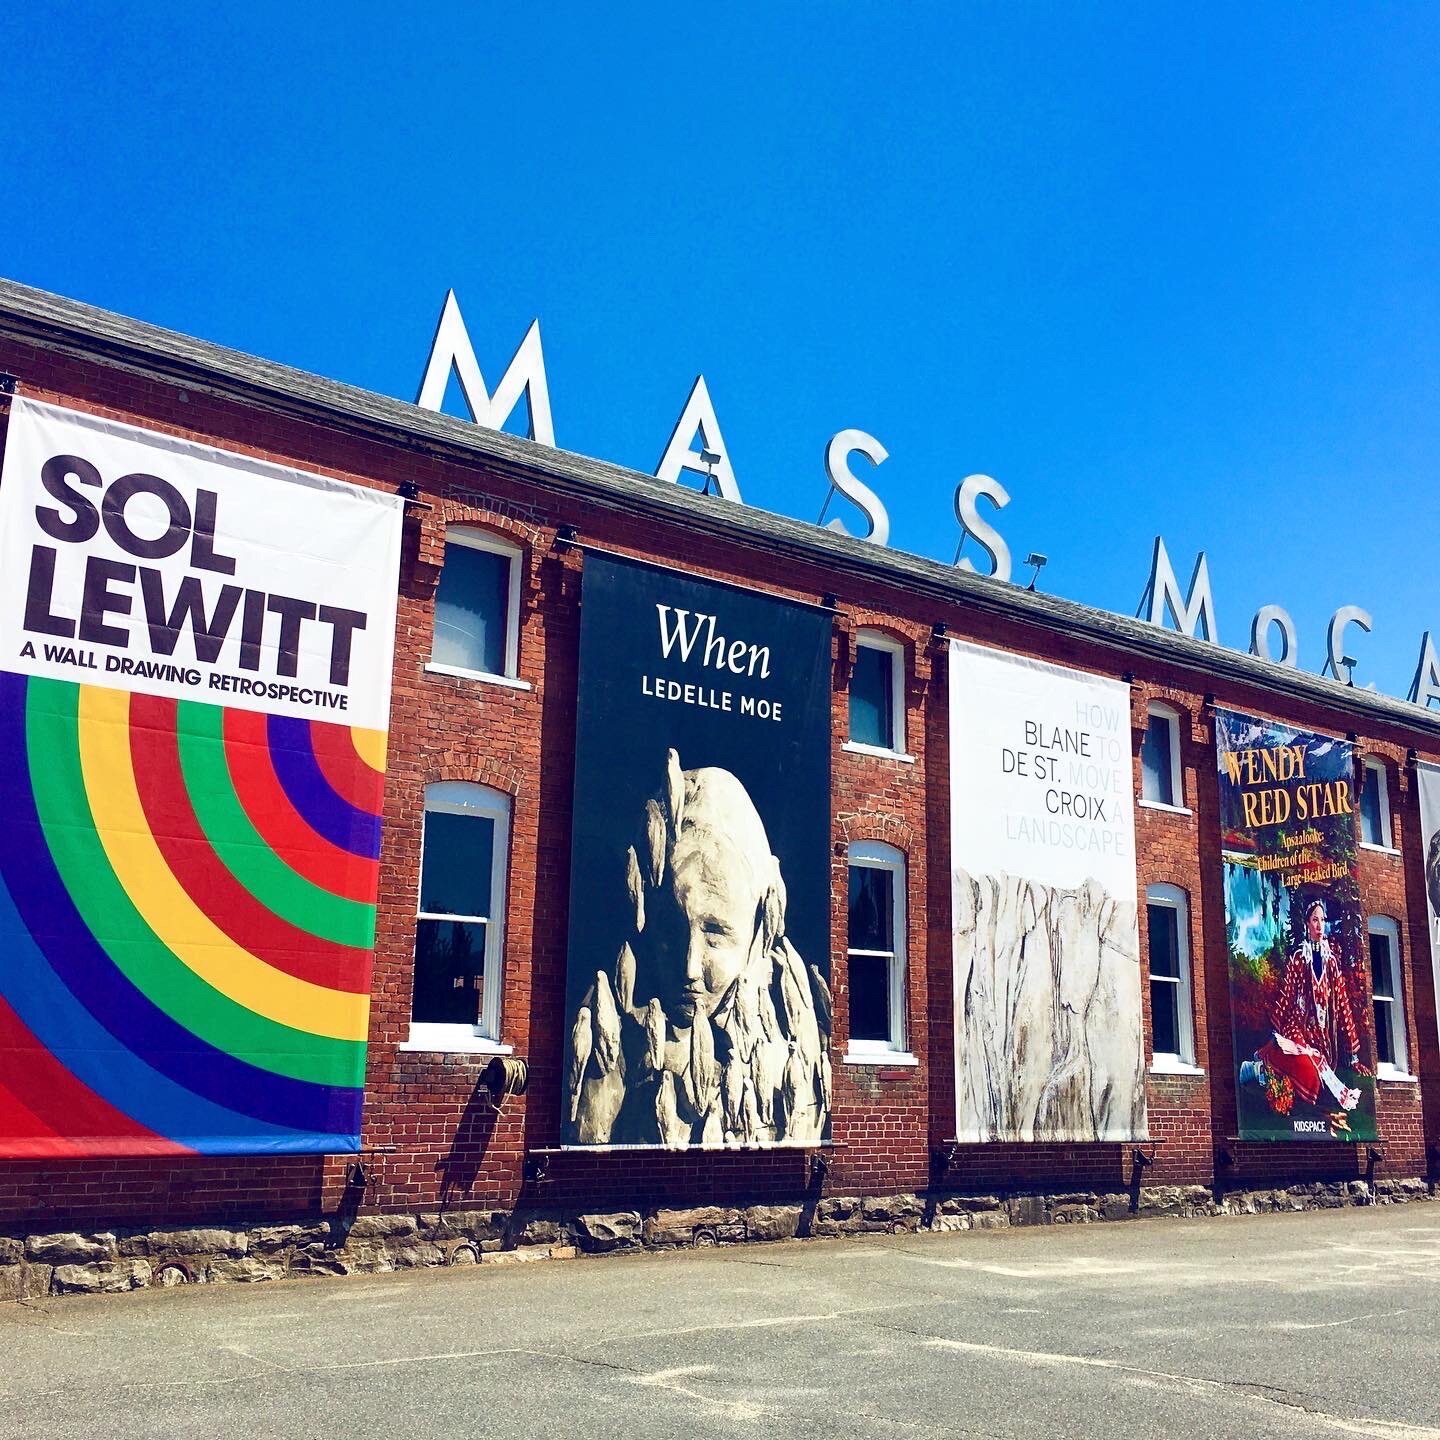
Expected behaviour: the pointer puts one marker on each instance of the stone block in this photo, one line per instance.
(537, 1230)
(69, 1248)
(891, 1208)
(772, 1222)
(462, 1224)
(1073, 1214)
(951, 1221)
(380, 1227)
(245, 1271)
(105, 1275)
(838, 1209)
(618, 1230)
(991, 1220)
(192, 1242)
(679, 1227)
(266, 1239)
(1117, 1207)
(415, 1256)
(1027, 1210)
(12, 1250)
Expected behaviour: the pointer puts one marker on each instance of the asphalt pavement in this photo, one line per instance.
(1323, 1323)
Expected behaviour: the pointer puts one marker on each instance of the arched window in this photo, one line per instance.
(1161, 781)
(460, 923)
(1387, 992)
(477, 606)
(875, 952)
(877, 695)
(1172, 1025)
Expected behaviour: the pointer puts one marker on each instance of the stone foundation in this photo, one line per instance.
(73, 1263)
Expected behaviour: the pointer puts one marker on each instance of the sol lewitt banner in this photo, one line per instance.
(195, 653)
(1048, 1033)
(698, 994)
(1428, 778)
(1299, 993)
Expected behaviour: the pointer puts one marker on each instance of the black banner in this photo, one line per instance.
(697, 998)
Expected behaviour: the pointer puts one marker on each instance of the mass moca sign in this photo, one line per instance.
(1163, 603)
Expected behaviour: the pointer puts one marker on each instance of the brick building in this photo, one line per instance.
(436, 1145)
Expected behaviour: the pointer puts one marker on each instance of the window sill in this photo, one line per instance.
(510, 682)
(458, 1044)
(1380, 849)
(856, 748)
(1166, 1065)
(1164, 808)
(1393, 1076)
(878, 1056)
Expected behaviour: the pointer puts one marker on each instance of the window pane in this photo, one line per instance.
(470, 610)
(1371, 830)
(449, 971)
(869, 997)
(1165, 1016)
(1384, 1032)
(1164, 941)
(1380, 972)
(872, 896)
(455, 872)
(1157, 775)
(871, 698)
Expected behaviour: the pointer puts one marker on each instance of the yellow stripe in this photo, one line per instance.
(168, 909)
(370, 747)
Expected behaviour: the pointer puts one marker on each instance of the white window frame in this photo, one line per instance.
(463, 797)
(1181, 1062)
(888, 645)
(1171, 716)
(1382, 792)
(1399, 1068)
(483, 540)
(875, 855)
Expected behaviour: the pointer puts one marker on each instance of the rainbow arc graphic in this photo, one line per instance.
(187, 925)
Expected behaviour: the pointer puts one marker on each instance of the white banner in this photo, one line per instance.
(1049, 1040)
(145, 562)
(1428, 777)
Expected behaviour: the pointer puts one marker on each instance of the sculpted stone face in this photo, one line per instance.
(720, 871)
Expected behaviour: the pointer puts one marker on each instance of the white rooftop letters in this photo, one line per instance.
(525, 375)
(1196, 611)
(698, 414)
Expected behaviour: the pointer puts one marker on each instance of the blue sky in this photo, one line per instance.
(1158, 272)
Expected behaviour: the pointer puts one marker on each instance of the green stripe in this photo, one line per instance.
(242, 848)
(52, 734)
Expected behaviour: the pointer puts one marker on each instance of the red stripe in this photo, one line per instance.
(247, 752)
(340, 763)
(24, 1134)
(155, 752)
(48, 1093)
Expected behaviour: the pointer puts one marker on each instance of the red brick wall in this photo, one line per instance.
(442, 1144)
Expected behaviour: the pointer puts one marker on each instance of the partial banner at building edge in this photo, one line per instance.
(1427, 777)
(698, 1005)
(193, 780)
(1295, 931)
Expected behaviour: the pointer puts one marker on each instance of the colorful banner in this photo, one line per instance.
(1049, 1040)
(1427, 777)
(1299, 989)
(698, 993)
(192, 754)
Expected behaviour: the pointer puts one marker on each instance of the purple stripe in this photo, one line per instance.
(315, 800)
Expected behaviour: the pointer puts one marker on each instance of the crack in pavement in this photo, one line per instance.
(1268, 1394)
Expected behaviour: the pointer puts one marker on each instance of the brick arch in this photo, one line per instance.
(888, 829)
(476, 769)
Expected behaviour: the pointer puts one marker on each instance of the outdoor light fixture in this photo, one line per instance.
(937, 630)
(829, 601)
(408, 490)
(566, 536)
(1039, 561)
(709, 459)
(1347, 664)
(7, 384)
